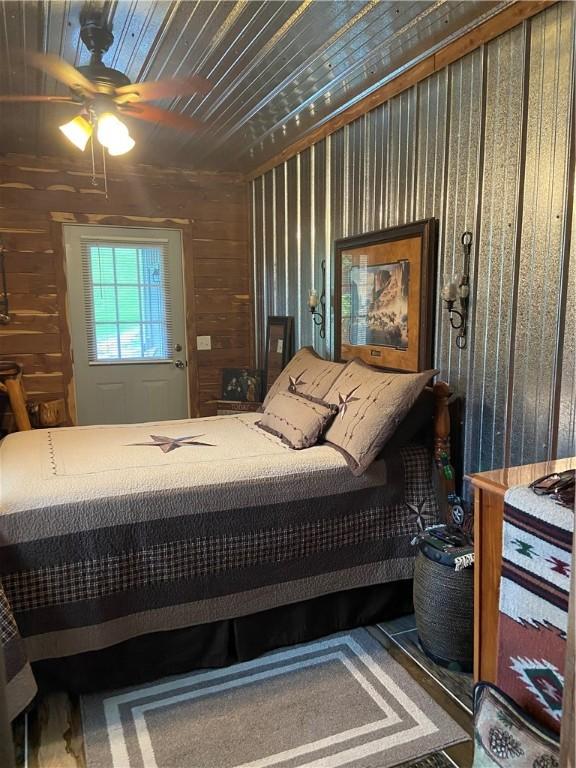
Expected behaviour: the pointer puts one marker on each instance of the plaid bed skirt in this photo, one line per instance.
(89, 590)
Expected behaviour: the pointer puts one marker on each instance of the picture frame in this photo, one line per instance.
(242, 385)
(384, 296)
(279, 347)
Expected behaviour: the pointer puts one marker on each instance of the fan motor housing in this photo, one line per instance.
(104, 76)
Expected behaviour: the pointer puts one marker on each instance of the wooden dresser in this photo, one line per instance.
(489, 490)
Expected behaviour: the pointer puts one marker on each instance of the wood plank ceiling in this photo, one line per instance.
(279, 68)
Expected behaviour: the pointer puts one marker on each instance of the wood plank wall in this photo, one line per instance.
(39, 195)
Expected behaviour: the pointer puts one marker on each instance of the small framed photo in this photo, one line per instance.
(279, 347)
(384, 297)
(242, 385)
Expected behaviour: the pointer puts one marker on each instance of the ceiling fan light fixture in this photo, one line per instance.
(78, 131)
(121, 145)
(111, 130)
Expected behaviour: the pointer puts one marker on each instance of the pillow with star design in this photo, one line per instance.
(298, 420)
(371, 404)
(306, 374)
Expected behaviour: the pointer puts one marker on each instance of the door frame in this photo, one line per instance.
(190, 353)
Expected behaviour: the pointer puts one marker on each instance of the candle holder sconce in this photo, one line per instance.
(317, 304)
(459, 290)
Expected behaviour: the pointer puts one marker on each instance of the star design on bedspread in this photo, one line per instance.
(346, 400)
(417, 512)
(167, 444)
(296, 381)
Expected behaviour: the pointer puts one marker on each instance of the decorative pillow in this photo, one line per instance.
(505, 736)
(308, 374)
(299, 420)
(371, 405)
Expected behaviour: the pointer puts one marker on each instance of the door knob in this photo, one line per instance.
(180, 364)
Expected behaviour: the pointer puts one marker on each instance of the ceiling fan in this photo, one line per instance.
(103, 93)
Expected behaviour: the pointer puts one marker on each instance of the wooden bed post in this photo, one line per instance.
(442, 457)
(441, 423)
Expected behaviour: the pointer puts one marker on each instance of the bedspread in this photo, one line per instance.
(111, 532)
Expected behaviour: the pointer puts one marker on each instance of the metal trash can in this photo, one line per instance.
(444, 606)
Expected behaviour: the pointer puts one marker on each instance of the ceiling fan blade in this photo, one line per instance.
(153, 114)
(162, 89)
(61, 70)
(55, 99)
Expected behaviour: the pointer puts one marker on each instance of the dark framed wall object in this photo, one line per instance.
(279, 347)
(242, 385)
(384, 296)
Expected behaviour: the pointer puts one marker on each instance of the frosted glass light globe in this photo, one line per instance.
(110, 130)
(121, 145)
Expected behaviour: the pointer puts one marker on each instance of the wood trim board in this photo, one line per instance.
(501, 22)
(488, 522)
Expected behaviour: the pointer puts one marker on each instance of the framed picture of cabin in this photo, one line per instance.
(279, 347)
(384, 296)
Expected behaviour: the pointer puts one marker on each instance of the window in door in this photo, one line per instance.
(128, 317)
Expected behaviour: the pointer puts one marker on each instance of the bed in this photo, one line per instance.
(110, 535)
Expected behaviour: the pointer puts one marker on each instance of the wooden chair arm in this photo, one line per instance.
(11, 385)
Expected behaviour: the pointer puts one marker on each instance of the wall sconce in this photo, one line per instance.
(460, 290)
(317, 304)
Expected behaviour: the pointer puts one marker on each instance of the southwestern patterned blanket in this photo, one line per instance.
(111, 532)
(534, 593)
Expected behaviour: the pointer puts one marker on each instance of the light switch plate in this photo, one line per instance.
(203, 342)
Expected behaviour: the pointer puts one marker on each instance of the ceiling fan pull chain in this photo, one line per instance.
(93, 179)
(105, 175)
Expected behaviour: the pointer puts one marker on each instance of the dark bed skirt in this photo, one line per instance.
(221, 643)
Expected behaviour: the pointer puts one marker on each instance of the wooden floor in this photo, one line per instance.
(452, 690)
(51, 736)
(404, 633)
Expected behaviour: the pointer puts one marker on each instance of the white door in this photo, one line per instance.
(127, 322)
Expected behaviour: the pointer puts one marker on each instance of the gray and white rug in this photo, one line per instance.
(338, 701)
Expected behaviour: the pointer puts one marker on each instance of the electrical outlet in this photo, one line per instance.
(203, 342)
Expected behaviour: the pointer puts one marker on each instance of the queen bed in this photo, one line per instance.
(113, 535)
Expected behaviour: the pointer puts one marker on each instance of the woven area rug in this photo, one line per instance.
(338, 701)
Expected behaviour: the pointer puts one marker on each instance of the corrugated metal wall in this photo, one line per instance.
(483, 145)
